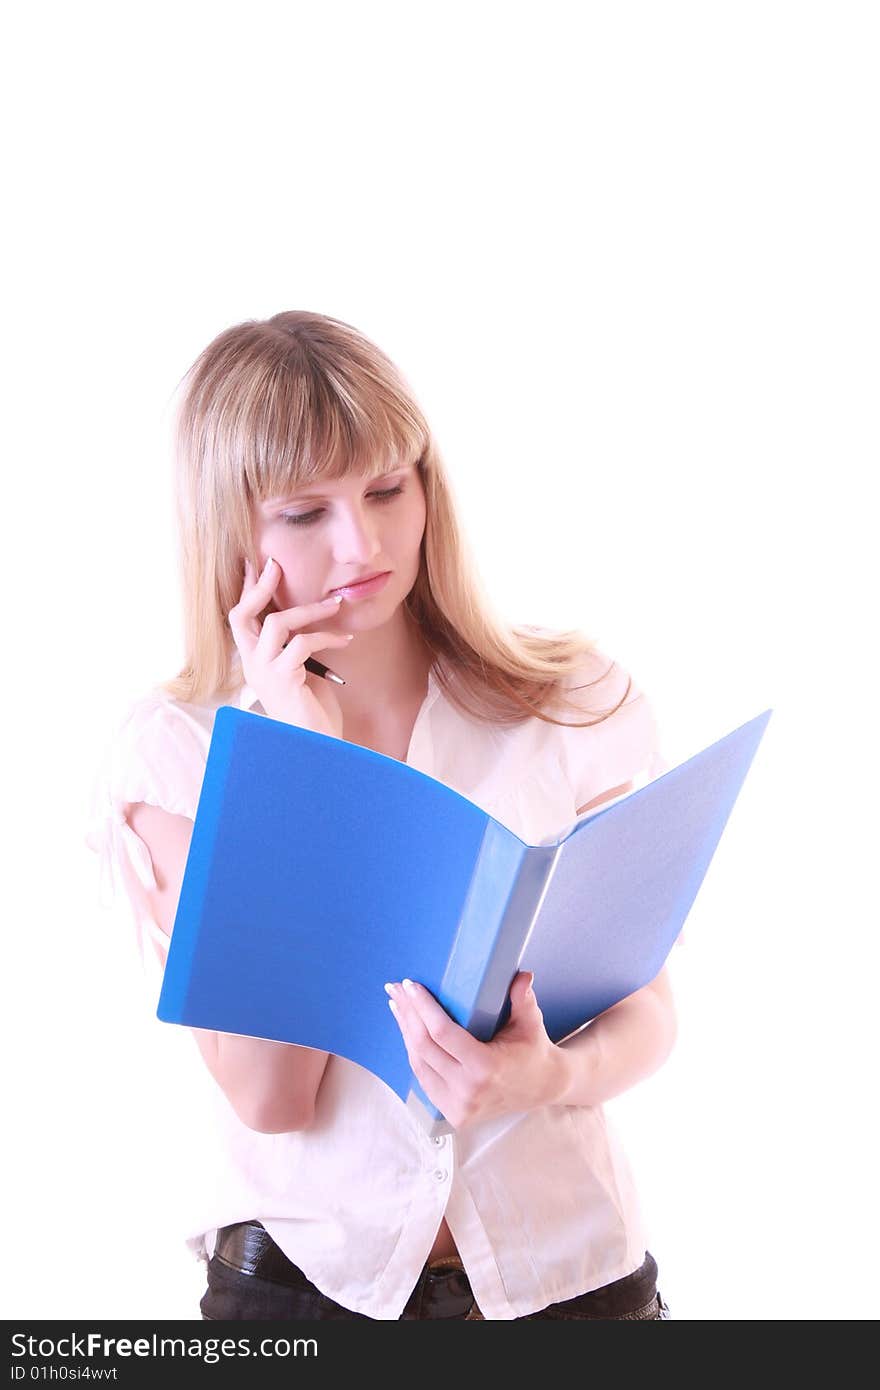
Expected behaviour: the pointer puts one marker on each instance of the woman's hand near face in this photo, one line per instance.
(273, 660)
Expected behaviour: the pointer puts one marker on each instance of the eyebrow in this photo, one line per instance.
(308, 493)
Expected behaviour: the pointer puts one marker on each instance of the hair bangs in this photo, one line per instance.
(297, 427)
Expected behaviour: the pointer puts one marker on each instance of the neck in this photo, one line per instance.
(385, 669)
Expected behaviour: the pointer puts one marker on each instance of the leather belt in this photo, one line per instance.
(442, 1289)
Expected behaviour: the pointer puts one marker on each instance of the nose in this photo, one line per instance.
(355, 538)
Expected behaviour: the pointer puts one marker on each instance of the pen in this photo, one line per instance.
(320, 669)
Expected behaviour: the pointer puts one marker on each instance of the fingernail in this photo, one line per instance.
(390, 989)
(409, 986)
(393, 1007)
(268, 565)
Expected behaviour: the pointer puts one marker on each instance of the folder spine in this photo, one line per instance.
(505, 895)
(487, 1011)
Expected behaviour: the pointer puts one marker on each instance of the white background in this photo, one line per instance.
(626, 255)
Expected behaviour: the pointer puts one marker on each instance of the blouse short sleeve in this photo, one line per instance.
(156, 755)
(619, 748)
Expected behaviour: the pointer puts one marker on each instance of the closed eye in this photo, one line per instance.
(307, 518)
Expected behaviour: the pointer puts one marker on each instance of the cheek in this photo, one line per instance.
(415, 527)
(296, 581)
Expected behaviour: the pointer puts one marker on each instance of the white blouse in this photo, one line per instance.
(542, 1205)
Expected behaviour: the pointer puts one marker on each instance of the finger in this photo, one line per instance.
(525, 1017)
(251, 576)
(293, 651)
(433, 1082)
(293, 658)
(421, 1045)
(243, 619)
(522, 985)
(279, 623)
(262, 584)
(443, 1030)
(255, 595)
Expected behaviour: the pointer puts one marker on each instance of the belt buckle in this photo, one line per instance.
(443, 1290)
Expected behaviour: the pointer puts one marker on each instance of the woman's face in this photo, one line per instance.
(334, 533)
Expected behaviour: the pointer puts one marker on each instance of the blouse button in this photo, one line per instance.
(440, 1174)
(439, 1139)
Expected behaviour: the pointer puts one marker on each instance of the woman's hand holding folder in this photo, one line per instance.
(273, 654)
(519, 1070)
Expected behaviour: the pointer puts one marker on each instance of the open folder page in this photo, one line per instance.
(319, 869)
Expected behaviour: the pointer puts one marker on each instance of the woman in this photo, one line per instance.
(316, 520)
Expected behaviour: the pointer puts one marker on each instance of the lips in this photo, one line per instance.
(362, 579)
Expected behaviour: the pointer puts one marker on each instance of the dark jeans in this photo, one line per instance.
(442, 1290)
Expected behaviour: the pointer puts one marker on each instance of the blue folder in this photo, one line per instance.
(319, 869)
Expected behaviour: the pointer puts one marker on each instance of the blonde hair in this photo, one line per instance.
(272, 405)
